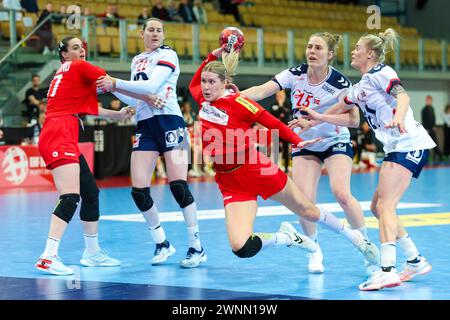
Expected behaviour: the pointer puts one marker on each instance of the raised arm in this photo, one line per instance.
(262, 91)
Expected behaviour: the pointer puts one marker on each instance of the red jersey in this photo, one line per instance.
(73, 89)
(226, 122)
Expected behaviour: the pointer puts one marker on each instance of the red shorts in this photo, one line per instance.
(58, 142)
(249, 181)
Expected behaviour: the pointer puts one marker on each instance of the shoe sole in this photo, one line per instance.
(381, 286)
(89, 264)
(171, 253)
(423, 272)
(203, 259)
(316, 271)
(53, 272)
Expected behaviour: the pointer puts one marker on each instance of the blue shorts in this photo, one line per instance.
(414, 161)
(161, 133)
(338, 148)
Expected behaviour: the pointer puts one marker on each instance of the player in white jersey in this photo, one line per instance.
(154, 73)
(318, 86)
(385, 104)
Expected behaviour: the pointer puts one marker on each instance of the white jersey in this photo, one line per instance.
(319, 97)
(144, 67)
(372, 95)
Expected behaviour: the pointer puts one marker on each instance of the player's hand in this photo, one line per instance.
(155, 101)
(218, 52)
(396, 123)
(126, 113)
(106, 83)
(309, 114)
(299, 123)
(308, 142)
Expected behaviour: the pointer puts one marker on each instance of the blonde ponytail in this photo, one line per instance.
(382, 43)
(227, 69)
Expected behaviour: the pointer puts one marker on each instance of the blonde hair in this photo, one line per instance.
(332, 41)
(225, 70)
(382, 43)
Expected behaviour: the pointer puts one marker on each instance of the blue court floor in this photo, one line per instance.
(275, 273)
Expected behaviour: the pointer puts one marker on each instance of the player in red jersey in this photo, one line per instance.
(242, 173)
(72, 93)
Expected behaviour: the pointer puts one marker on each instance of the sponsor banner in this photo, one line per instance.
(23, 166)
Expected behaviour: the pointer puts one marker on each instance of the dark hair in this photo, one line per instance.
(62, 47)
(34, 76)
(152, 19)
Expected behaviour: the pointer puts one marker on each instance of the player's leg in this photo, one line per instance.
(306, 171)
(67, 183)
(93, 256)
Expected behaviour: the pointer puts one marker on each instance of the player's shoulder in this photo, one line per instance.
(298, 70)
(380, 69)
(338, 80)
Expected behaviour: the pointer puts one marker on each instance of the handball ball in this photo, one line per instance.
(233, 38)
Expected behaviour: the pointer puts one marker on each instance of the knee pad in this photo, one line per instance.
(250, 248)
(181, 193)
(142, 198)
(67, 206)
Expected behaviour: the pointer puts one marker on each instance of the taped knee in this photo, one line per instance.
(142, 198)
(67, 206)
(181, 193)
(250, 248)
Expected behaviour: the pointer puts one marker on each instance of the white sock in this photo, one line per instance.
(330, 221)
(363, 230)
(276, 238)
(388, 254)
(408, 247)
(91, 242)
(194, 239)
(313, 236)
(190, 214)
(151, 216)
(51, 248)
(157, 233)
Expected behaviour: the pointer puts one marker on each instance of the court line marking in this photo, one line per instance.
(172, 216)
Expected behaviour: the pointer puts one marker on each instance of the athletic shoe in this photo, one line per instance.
(368, 249)
(53, 265)
(415, 269)
(315, 264)
(194, 258)
(163, 251)
(380, 279)
(371, 267)
(298, 240)
(98, 259)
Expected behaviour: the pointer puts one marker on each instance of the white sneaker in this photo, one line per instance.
(209, 171)
(368, 249)
(298, 240)
(194, 258)
(53, 265)
(370, 267)
(415, 269)
(98, 259)
(163, 251)
(194, 174)
(315, 264)
(380, 279)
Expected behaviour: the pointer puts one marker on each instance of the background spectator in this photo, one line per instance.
(200, 12)
(281, 109)
(30, 6)
(172, 9)
(143, 17)
(447, 131)
(429, 123)
(61, 16)
(159, 11)
(110, 17)
(186, 12)
(45, 31)
(33, 97)
(365, 147)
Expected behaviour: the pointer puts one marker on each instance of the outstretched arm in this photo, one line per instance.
(262, 91)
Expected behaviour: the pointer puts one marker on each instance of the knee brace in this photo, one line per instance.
(250, 248)
(181, 193)
(89, 191)
(142, 198)
(67, 206)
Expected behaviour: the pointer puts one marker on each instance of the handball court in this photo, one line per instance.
(275, 273)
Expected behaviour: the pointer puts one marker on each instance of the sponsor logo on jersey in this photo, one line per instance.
(316, 101)
(328, 89)
(414, 156)
(227, 198)
(250, 106)
(340, 147)
(55, 154)
(213, 114)
(362, 95)
(70, 154)
(136, 140)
